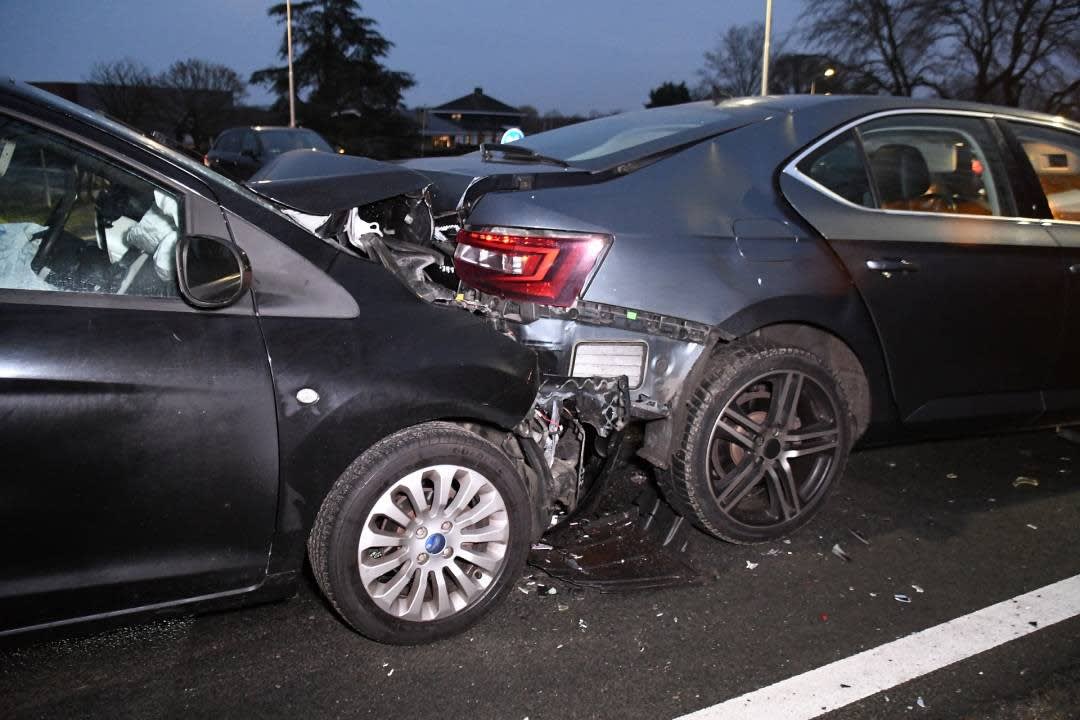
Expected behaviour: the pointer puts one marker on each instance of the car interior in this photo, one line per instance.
(1058, 168)
(921, 169)
(70, 221)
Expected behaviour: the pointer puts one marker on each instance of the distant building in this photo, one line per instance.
(466, 122)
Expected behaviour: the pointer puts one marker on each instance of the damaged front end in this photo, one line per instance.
(569, 443)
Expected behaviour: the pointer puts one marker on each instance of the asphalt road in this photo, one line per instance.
(945, 517)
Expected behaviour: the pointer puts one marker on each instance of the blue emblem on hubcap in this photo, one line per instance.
(435, 543)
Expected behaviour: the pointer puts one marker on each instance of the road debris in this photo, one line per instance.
(839, 552)
(582, 624)
(1018, 482)
(751, 565)
(900, 597)
(952, 476)
(1033, 527)
(542, 546)
(920, 702)
(859, 537)
(917, 589)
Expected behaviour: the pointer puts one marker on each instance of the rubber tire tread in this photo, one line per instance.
(362, 474)
(725, 363)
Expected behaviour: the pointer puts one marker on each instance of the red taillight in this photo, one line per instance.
(542, 266)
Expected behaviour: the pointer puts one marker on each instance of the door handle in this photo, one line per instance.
(891, 265)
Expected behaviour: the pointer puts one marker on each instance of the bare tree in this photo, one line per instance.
(733, 67)
(892, 44)
(123, 88)
(199, 96)
(1016, 52)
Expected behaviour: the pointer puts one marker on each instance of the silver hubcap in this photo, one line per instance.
(433, 543)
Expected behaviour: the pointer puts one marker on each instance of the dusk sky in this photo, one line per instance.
(573, 56)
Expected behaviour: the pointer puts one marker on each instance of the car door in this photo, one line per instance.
(139, 462)
(1053, 157)
(966, 297)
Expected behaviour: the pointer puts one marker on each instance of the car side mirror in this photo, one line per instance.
(212, 272)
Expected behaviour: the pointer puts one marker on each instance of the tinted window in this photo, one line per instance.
(1055, 157)
(228, 142)
(936, 163)
(838, 165)
(74, 221)
(250, 144)
(279, 141)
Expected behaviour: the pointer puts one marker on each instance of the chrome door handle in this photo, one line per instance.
(891, 265)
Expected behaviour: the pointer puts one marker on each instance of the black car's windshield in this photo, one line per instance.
(617, 134)
(280, 141)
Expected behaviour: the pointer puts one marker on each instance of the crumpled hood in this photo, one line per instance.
(320, 183)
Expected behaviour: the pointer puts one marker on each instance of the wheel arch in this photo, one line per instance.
(836, 354)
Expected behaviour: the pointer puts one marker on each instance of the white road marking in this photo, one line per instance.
(843, 682)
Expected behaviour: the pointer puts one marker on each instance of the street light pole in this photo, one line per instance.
(765, 49)
(288, 47)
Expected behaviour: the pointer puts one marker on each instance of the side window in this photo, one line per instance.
(838, 166)
(936, 163)
(229, 142)
(1055, 157)
(250, 145)
(73, 221)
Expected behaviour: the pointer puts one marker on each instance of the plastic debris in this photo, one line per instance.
(542, 546)
(873, 594)
(952, 476)
(1033, 482)
(751, 565)
(582, 624)
(786, 541)
(900, 597)
(839, 552)
(1033, 527)
(523, 590)
(858, 537)
(917, 589)
(920, 702)
(390, 673)
(551, 591)
(563, 608)
(824, 617)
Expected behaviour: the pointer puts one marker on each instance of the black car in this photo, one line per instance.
(781, 277)
(240, 152)
(197, 392)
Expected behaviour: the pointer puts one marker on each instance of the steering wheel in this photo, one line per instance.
(58, 218)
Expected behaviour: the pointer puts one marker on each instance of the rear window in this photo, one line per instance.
(617, 134)
(276, 142)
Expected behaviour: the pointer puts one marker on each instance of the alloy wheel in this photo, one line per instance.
(772, 448)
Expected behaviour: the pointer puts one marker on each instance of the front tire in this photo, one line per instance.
(422, 535)
(767, 436)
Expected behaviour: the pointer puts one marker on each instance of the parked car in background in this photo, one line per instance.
(781, 277)
(240, 152)
(197, 392)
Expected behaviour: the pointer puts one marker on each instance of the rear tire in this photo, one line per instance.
(422, 535)
(767, 436)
